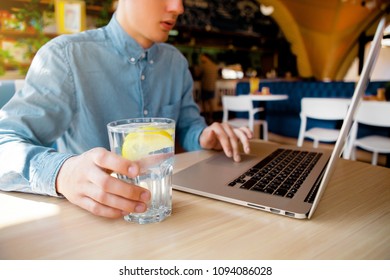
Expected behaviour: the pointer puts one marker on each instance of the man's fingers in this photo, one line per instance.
(86, 180)
(222, 135)
(102, 210)
(113, 162)
(232, 143)
(244, 134)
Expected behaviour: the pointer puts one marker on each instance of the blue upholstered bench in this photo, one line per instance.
(283, 116)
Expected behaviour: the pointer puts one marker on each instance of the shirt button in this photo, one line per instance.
(132, 59)
(151, 62)
(146, 112)
(143, 77)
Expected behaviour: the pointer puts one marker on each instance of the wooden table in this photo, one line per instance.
(351, 222)
(260, 102)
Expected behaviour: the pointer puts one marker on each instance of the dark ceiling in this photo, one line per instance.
(226, 23)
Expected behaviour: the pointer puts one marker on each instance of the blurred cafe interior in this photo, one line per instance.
(297, 48)
(292, 67)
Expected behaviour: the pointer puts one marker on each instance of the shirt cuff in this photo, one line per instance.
(44, 179)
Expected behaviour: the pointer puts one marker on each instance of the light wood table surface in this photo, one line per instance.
(351, 222)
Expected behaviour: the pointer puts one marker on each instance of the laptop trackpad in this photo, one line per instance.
(210, 171)
(221, 160)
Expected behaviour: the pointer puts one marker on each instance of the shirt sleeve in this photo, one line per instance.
(31, 122)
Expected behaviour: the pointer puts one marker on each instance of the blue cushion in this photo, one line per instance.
(7, 90)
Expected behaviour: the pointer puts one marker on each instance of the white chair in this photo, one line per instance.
(243, 103)
(372, 113)
(330, 109)
(223, 87)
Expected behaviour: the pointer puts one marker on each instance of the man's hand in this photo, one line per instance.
(222, 136)
(86, 181)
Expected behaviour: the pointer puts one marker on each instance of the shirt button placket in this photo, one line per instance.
(143, 79)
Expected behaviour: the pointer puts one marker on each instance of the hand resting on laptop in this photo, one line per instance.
(221, 136)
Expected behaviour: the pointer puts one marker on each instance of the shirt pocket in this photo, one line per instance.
(170, 111)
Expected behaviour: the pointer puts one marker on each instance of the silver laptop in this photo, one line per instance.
(289, 181)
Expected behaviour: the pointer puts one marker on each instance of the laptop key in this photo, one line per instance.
(281, 192)
(248, 184)
(281, 173)
(290, 195)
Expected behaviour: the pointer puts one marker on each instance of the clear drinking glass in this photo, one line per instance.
(150, 143)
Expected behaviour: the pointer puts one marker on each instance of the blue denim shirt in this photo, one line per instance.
(75, 86)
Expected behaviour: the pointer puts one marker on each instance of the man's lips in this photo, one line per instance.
(168, 24)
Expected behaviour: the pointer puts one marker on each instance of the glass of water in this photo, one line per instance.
(150, 143)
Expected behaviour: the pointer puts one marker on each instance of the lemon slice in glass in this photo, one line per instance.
(142, 143)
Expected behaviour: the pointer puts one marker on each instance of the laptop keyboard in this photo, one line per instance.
(281, 173)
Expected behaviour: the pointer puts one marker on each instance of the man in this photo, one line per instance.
(77, 84)
(209, 76)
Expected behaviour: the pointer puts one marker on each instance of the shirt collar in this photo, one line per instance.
(127, 46)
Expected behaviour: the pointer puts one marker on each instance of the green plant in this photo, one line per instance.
(32, 16)
(5, 58)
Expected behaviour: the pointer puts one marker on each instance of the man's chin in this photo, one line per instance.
(162, 38)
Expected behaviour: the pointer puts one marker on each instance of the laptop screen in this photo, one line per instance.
(356, 98)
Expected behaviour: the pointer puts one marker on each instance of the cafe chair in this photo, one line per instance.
(241, 104)
(325, 109)
(225, 87)
(222, 88)
(370, 113)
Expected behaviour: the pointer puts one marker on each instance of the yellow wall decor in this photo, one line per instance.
(324, 34)
(70, 16)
